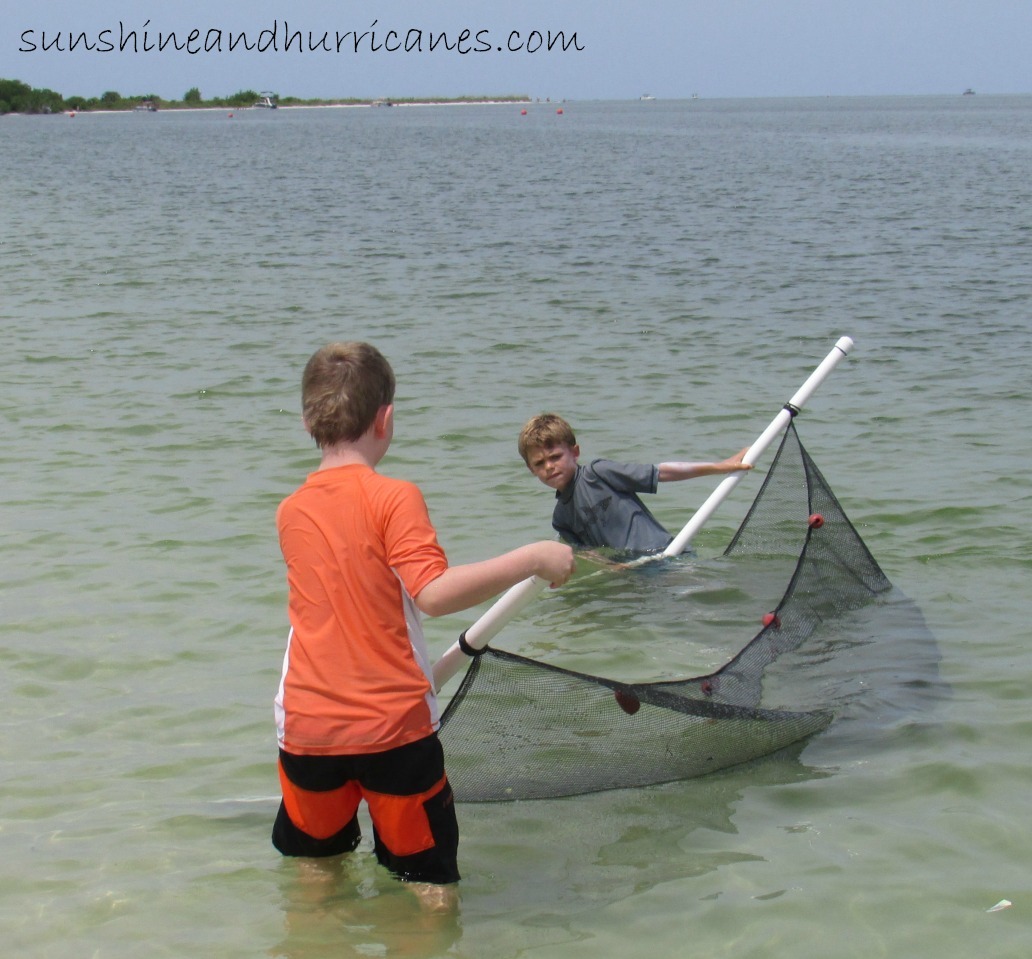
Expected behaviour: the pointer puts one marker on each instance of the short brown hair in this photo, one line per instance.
(544, 431)
(342, 388)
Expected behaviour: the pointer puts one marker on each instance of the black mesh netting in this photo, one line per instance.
(521, 729)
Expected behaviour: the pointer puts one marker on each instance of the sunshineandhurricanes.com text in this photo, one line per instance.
(279, 37)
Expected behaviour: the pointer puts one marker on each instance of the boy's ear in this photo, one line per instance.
(383, 421)
(575, 449)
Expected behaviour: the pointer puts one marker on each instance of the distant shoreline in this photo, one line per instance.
(364, 104)
(17, 97)
(306, 106)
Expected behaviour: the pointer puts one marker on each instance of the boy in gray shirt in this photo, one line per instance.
(597, 505)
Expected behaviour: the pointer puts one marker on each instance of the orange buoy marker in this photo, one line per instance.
(523, 113)
(559, 111)
(772, 619)
(816, 521)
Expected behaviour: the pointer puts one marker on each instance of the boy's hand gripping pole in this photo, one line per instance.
(512, 602)
(703, 513)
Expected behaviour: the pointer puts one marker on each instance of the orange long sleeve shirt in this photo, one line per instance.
(356, 674)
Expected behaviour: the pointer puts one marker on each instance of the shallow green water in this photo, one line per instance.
(665, 275)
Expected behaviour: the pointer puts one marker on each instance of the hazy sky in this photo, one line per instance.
(615, 50)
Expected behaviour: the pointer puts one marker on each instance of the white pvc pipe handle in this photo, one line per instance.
(680, 542)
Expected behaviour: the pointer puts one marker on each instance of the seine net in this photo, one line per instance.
(521, 729)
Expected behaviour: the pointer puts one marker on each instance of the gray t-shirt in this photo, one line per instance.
(600, 507)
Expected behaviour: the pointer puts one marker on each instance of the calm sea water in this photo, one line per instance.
(665, 274)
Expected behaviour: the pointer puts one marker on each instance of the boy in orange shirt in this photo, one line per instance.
(356, 712)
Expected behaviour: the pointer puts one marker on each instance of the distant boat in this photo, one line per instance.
(969, 92)
(385, 102)
(146, 106)
(266, 101)
(646, 96)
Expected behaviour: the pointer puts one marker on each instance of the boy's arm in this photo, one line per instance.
(460, 587)
(671, 472)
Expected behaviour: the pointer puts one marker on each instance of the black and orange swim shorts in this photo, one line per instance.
(415, 831)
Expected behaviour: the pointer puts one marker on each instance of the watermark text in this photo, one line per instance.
(279, 37)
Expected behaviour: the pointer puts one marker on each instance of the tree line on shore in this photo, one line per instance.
(19, 97)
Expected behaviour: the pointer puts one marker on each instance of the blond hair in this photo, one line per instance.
(542, 432)
(342, 388)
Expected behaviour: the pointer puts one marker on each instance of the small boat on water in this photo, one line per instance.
(267, 101)
(146, 106)
(969, 92)
(384, 102)
(646, 96)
